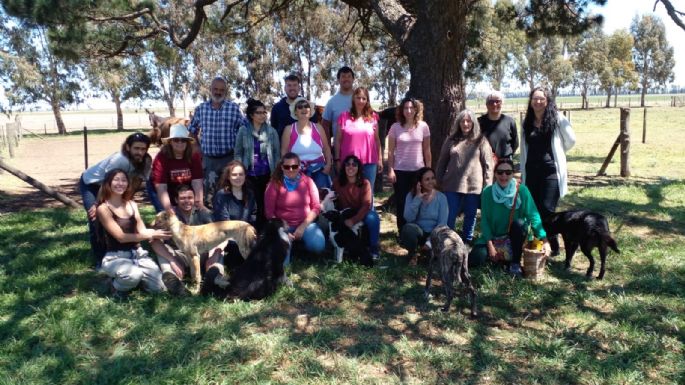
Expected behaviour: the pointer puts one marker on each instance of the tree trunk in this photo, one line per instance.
(116, 98)
(615, 98)
(583, 94)
(643, 92)
(608, 102)
(439, 82)
(61, 128)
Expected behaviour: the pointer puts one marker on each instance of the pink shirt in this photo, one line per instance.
(291, 206)
(409, 146)
(358, 137)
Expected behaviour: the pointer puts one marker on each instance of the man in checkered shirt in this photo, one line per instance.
(216, 124)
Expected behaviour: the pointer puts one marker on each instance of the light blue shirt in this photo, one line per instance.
(336, 105)
(426, 215)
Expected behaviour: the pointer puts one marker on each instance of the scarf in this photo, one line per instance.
(291, 183)
(262, 136)
(505, 195)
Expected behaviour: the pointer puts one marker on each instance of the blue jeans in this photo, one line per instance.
(313, 240)
(373, 223)
(320, 179)
(466, 203)
(369, 173)
(152, 195)
(89, 193)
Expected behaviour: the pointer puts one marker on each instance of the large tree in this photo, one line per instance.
(436, 36)
(652, 54)
(619, 70)
(589, 60)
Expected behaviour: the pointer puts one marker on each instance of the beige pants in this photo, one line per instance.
(130, 268)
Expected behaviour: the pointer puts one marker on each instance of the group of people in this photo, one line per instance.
(251, 169)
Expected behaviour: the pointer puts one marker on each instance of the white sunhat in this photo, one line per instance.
(178, 131)
(298, 100)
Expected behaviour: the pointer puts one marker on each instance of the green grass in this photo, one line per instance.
(343, 324)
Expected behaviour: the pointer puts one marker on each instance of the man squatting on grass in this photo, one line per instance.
(172, 262)
(134, 160)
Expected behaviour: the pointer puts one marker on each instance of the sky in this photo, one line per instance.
(619, 14)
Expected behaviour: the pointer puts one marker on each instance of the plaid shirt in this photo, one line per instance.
(219, 127)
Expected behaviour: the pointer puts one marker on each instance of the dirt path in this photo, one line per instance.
(55, 161)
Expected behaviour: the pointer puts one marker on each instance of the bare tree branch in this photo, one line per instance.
(127, 17)
(675, 15)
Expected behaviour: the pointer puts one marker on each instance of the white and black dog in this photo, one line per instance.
(261, 273)
(342, 237)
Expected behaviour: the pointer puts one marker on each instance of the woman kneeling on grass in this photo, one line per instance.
(502, 217)
(125, 261)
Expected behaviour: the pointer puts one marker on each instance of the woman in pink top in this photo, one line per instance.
(308, 140)
(409, 149)
(293, 197)
(357, 135)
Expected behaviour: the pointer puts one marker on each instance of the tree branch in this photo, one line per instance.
(392, 14)
(127, 17)
(675, 15)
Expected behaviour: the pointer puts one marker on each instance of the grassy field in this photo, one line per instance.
(343, 324)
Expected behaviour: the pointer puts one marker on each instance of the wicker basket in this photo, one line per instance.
(534, 262)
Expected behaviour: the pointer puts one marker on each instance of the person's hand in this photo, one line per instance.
(391, 175)
(327, 169)
(349, 222)
(380, 166)
(92, 213)
(299, 231)
(492, 252)
(420, 193)
(160, 234)
(337, 166)
(200, 205)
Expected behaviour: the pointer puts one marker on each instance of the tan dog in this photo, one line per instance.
(195, 240)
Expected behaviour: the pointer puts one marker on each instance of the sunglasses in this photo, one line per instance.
(178, 140)
(351, 164)
(302, 106)
(291, 167)
(504, 172)
(491, 102)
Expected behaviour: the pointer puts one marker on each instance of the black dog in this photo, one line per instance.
(452, 256)
(582, 228)
(257, 277)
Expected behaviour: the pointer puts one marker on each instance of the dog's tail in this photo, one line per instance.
(611, 243)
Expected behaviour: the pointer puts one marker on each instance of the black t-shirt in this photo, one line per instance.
(540, 160)
(501, 134)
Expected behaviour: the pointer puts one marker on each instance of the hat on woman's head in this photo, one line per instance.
(298, 100)
(178, 131)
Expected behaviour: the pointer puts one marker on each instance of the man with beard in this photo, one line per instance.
(215, 123)
(280, 112)
(134, 160)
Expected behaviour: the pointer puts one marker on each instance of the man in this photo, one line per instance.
(500, 129)
(216, 123)
(340, 102)
(280, 113)
(134, 160)
(172, 262)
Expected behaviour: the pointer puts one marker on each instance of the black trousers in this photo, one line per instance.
(404, 181)
(544, 188)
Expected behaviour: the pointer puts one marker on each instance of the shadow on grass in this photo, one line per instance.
(375, 317)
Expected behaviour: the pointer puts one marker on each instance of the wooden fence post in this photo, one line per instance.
(625, 142)
(11, 138)
(85, 146)
(644, 125)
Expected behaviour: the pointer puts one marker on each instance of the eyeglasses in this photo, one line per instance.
(260, 112)
(351, 164)
(504, 172)
(303, 106)
(291, 167)
(491, 102)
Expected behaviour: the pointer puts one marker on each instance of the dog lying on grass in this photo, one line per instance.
(451, 255)
(582, 228)
(259, 276)
(195, 240)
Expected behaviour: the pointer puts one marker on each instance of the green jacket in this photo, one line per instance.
(494, 217)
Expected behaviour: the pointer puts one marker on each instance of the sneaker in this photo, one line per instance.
(174, 285)
(515, 270)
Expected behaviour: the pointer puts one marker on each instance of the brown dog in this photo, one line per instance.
(195, 240)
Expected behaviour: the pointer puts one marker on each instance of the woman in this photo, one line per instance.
(409, 149)
(424, 209)
(353, 191)
(125, 261)
(464, 169)
(546, 138)
(293, 197)
(258, 147)
(233, 199)
(357, 135)
(176, 164)
(308, 140)
(497, 220)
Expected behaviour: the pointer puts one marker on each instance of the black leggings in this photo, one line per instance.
(545, 193)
